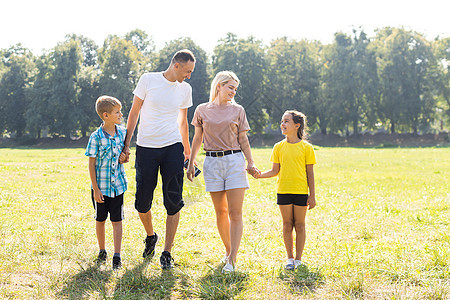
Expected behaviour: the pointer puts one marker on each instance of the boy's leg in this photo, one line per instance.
(100, 232)
(300, 231)
(117, 235)
(287, 214)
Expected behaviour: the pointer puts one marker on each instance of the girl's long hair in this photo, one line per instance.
(299, 118)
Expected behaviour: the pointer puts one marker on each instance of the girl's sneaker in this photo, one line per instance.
(290, 264)
(297, 263)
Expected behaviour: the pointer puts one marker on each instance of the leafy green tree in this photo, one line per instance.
(121, 65)
(18, 70)
(199, 81)
(405, 60)
(89, 49)
(142, 42)
(293, 78)
(88, 83)
(246, 58)
(441, 49)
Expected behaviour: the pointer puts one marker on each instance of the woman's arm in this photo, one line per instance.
(245, 147)
(196, 143)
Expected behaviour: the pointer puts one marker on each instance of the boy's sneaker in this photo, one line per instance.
(116, 263)
(150, 243)
(290, 264)
(101, 258)
(166, 260)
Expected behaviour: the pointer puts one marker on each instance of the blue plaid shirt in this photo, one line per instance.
(111, 177)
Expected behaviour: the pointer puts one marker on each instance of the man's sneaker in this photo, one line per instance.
(290, 264)
(166, 260)
(117, 263)
(101, 258)
(150, 243)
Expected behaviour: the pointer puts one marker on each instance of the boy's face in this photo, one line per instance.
(115, 116)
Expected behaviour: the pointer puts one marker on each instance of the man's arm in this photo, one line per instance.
(184, 131)
(133, 117)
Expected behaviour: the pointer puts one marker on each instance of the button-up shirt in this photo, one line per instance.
(111, 177)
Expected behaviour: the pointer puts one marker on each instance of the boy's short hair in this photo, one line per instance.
(106, 104)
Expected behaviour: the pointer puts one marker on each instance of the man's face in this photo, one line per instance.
(184, 70)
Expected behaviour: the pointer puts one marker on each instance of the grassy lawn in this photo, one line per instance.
(380, 231)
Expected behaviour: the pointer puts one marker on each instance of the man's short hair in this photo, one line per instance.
(183, 56)
(106, 104)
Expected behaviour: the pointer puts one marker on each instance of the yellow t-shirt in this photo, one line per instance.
(293, 159)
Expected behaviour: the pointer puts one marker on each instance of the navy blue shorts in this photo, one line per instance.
(296, 199)
(169, 161)
(113, 206)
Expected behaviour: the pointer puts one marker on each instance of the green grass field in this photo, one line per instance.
(380, 231)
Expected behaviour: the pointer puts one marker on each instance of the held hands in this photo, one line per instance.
(125, 155)
(253, 170)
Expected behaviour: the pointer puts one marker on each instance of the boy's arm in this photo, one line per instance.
(311, 185)
(184, 131)
(270, 173)
(98, 196)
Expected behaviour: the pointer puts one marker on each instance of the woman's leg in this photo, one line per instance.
(300, 231)
(235, 199)
(219, 200)
(287, 214)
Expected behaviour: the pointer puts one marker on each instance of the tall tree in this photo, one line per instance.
(246, 58)
(142, 42)
(293, 78)
(121, 64)
(18, 70)
(405, 59)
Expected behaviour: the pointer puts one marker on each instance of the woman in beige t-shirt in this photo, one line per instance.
(222, 126)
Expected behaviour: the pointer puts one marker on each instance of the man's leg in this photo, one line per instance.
(171, 229)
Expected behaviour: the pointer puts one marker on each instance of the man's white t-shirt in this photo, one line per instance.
(163, 100)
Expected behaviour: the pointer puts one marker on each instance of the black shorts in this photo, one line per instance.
(296, 199)
(113, 206)
(169, 161)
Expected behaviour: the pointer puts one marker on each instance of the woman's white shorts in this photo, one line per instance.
(225, 173)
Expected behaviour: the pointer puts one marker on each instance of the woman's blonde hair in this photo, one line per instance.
(221, 78)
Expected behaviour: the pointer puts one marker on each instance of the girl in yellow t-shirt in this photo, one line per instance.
(293, 160)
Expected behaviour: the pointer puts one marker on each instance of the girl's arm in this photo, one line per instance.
(98, 196)
(311, 185)
(196, 143)
(270, 173)
(245, 147)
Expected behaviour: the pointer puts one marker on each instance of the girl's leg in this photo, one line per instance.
(117, 236)
(287, 214)
(219, 200)
(235, 199)
(300, 231)
(100, 232)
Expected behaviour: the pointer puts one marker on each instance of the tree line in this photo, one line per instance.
(396, 81)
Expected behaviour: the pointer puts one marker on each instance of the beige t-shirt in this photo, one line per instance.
(221, 125)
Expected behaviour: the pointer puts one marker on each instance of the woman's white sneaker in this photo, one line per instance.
(228, 268)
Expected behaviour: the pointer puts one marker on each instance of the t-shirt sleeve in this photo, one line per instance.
(92, 146)
(140, 90)
(197, 120)
(310, 155)
(187, 101)
(275, 154)
(243, 123)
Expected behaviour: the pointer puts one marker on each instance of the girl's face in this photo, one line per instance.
(287, 125)
(227, 91)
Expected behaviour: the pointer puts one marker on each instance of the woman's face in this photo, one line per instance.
(227, 91)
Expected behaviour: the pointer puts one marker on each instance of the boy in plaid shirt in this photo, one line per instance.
(108, 178)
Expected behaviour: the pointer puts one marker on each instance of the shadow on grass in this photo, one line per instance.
(137, 283)
(92, 280)
(301, 279)
(216, 285)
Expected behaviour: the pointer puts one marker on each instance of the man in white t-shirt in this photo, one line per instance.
(162, 100)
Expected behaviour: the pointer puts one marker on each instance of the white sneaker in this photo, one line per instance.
(290, 264)
(297, 263)
(224, 259)
(228, 268)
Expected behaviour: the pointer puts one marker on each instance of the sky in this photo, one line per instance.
(40, 25)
